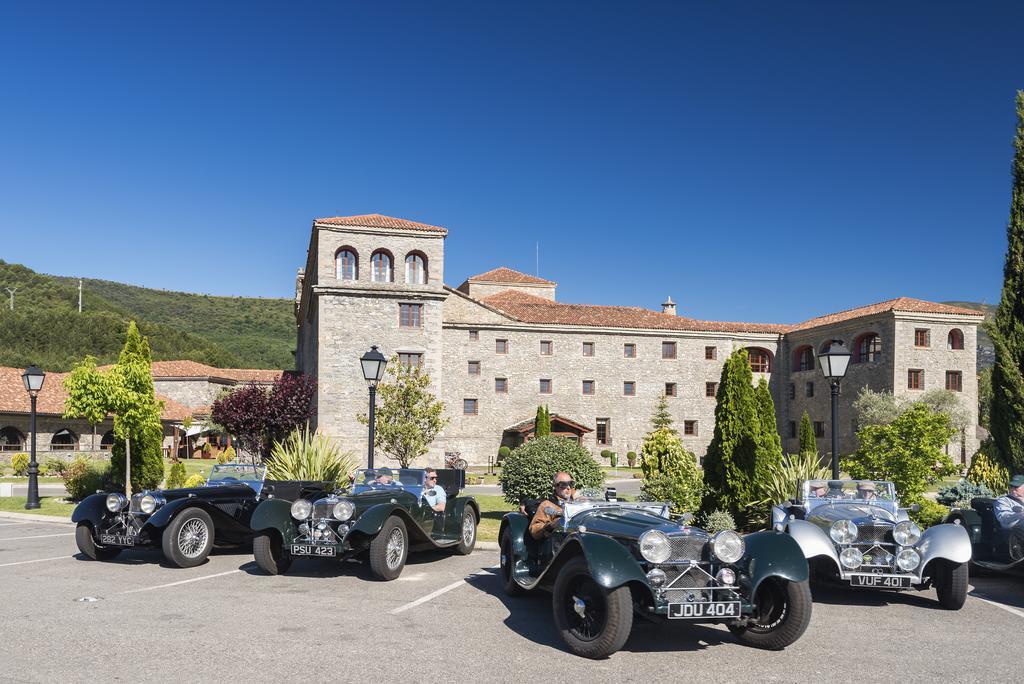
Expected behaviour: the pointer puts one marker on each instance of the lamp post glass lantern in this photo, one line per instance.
(373, 363)
(833, 362)
(33, 377)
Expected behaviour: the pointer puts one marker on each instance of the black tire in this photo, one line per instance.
(508, 583)
(87, 545)
(272, 557)
(951, 584)
(783, 612)
(389, 549)
(606, 618)
(467, 533)
(188, 540)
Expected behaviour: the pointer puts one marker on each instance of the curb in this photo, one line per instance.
(487, 546)
(36, 517)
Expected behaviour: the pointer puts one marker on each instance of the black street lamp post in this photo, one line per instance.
(834, 363)
(373, 363)
(33, 378)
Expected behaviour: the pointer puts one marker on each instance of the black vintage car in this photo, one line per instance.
(994, 547)
(185, 523)
(609, 560)
(382, 517)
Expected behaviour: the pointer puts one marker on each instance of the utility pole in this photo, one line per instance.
(12, 291)
(79, 295)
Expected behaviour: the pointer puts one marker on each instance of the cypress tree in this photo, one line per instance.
(769, 443)
(542, 423)
(662, 419)
(731, 457)
(808, 443)
(1007, 331)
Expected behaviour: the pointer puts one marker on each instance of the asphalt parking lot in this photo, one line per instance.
(69, 619)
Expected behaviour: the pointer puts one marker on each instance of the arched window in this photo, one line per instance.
(11, 439)
(63, 440)
(955, 340)
(346, 264)
(107, 441)
(868, 349)
(416, 269)
(803, 358)
(760, 360)
(380, 267)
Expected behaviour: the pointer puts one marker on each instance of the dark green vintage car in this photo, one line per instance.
(382, 517)
(609, 560)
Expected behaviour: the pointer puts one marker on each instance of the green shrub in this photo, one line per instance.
(930, 513)
(55, 465)
(226, 456)
(987, 470)
(528, 471)
(83, 477)
(503, 453)
(964, 490)
(614, 459)
(781, 479)
(670, 472)
(631, 459)
(147, 459)
(176, 476)
(606, 453)
(195, 480)
(309, 455)
(19, 462)
(716, 521)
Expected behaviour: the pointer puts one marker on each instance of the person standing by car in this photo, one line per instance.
(1009, 509)
(434, 496)
(550, 510)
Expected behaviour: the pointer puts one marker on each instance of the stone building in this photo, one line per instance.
(501, 344)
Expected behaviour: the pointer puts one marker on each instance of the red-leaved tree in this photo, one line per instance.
(258, 416)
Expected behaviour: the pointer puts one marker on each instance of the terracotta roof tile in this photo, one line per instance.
(906, 304)
(193, 369)
(379, 221)
(507, 275)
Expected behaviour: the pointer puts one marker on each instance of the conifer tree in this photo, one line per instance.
(769, 443)
(808, 443)
(662, 419)
(542, 423)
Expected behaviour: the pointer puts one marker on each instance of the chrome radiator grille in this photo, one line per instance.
(874, 534)
(687, 547)
(323, 509)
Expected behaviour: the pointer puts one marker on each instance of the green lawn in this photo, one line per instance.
(939, 484)
(492, 509)
(49, 505)
(24, 480)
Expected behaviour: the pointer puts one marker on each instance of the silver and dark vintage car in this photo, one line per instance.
(608, 561)
(855, 531)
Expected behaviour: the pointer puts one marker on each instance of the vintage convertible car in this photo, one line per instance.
(383, 516)
(185, 523)
(855, 532)
(994, 547)
(608, 560)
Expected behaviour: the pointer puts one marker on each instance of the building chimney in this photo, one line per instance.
(668, 307)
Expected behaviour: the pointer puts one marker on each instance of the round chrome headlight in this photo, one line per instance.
(301, 509)
(726, 576)
(728, 546)
(656, 577)
(843, 532)
(906, 533)
(851, 558)
(908, 559)
(149, 503)
(343, 510)
(655, 546)
(116, 502)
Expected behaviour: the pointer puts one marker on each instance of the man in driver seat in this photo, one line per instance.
(1009, 509)
(550, 510)
(384, 476)
(866, 491)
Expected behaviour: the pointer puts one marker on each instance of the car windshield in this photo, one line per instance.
(877, 491)
(384, 478)
(236, 472)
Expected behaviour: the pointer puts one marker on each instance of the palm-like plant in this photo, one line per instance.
(309, 455)
(782, 479)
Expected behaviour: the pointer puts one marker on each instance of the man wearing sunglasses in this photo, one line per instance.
(545, 520)
(432, 493)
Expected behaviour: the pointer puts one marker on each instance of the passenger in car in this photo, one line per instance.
(866, 491)
(550, 510)
(1009, 509)
(434, 495)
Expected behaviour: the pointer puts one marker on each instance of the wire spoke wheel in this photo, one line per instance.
(395, 548)
(192, 538)
(585, 608)
(468, 529)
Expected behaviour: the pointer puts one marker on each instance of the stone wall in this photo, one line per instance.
(192, 392)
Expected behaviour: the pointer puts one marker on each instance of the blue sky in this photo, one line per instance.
(755, 161)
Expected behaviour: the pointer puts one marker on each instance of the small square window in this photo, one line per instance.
(501, 385)
(629, 350)
(710, 353)
(588, 348)
(410, 315)
(670, 389)
(629, 388)
(922, 337)
(915, 379)
(501, 346)
(474, 334)
(546, 348)
(809, 389)
(690, 428)
(588, 387)
(545, 386)
(474, 368)
(470, 407)
(819, 428)
(792, 429)
(409, 360)
(668, 350)
(955, 381)
(710, 389)
(792, 390)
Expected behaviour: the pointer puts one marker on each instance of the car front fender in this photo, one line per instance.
(370, 522)
(163, 516)
(969, 518)
(812, 540)
(275, 514)
(92, 509)
(611, 564)
(947, 541)
(773, 554)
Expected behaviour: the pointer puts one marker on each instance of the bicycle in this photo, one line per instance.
(453, 460)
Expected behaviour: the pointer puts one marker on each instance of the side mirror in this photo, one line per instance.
(914, 508)
(685, 518)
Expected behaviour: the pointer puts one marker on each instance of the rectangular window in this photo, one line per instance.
(710, 389)
(819, 428)
(546, 348)
(474, 368)
(474, 334)
(629, 350)
(501, 385)
(710, 353)
(469, 407)
(792, 390)
(670, 389)
(955, 381)
(410, 315)
(545, 385)
(588, 387)
(603, 432)
(588, 348)
(409, 360)
(792, 429)
(668, 350)
(809, 389)
(915, 379)
(629, 388)
(501, 346)
(922, 337)
(690, 428)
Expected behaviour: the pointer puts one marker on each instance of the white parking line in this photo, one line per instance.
(443, 590)
(1008, 609)
(17, 523)
(39, 536)
(37, 560)
(187, 581)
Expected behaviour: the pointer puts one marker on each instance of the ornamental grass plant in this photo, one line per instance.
(309, 455)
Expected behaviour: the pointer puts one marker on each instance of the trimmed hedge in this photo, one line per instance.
(528, 471)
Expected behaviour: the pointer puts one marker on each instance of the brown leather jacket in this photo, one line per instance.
(543, 523)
